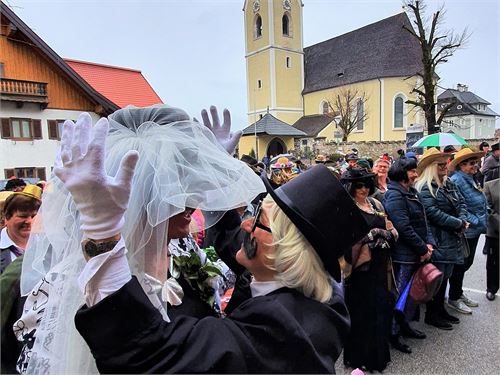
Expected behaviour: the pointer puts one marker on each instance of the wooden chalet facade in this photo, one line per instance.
(38, 91)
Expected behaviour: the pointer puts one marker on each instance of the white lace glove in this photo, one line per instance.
(100, 199)
(222, 132)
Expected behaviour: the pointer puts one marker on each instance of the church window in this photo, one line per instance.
(288, 62)
(258, 26)
(325, 108)
(285, 23)
(398, 112)
(360, 113)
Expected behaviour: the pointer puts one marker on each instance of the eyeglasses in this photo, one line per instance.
(471, 162)
(256, 220)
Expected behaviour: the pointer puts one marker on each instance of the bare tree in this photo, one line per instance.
(437, 47)
(349, 110)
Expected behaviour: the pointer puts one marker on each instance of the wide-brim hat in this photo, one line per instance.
(323, 211)
(249, 160)
(354, 174)
(464, 154)
(282, 163)
(352, 157)
(430, 156)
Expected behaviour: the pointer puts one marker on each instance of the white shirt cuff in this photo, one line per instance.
(104, 274)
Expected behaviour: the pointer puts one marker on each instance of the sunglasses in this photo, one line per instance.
(360, 185)
(256, 220)
(471, 162)
(442, 165)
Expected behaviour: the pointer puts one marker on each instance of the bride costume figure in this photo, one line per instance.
(180, 165)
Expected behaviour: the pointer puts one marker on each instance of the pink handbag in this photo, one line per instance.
(426, 282)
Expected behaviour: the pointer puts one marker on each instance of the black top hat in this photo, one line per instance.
(324, 212)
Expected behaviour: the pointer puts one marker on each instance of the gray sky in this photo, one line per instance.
(192, 51)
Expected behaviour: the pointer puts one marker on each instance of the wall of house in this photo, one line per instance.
(21, 61)
(470, 126)
(38, 153)
(379, 108)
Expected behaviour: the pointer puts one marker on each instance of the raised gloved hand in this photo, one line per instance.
(222, 132)
(100, 199)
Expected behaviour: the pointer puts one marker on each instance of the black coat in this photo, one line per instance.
(283, 332)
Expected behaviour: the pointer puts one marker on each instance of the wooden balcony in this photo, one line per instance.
(21, 92)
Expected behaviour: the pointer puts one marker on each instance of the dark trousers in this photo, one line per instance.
(402, 275)
(436, 305)
(457, 276)
(492, 265)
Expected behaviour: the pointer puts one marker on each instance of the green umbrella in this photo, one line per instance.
(439, 140)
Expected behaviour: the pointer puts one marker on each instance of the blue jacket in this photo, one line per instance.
(475, 201)
(408, 216)
(446, 213)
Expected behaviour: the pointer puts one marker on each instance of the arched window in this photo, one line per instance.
(326, 108)
(398, 112)
(360, 111)
(258, 26)
(285, 23)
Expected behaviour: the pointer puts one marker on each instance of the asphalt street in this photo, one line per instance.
(472, 347)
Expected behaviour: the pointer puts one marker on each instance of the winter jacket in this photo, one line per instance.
(491, 189)
(408, 216)
(446, 213)
(475, 201)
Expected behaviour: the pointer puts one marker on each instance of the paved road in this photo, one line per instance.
(473, 347)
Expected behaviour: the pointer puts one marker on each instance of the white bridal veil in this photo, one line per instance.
(180, 165)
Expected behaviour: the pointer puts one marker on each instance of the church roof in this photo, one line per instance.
(381, 49)
(272, 126)
(312, 124)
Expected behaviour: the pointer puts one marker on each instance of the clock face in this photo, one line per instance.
(256, 6)
(287, 5)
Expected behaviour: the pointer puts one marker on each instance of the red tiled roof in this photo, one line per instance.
(122, 86)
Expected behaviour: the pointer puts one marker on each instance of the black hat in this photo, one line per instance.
(352, 174)
(319, 206)
(248, 159)
(352, 157)
(14, 183)
(494, 147)
(449, 149)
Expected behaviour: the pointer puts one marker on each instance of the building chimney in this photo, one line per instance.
(461, 87)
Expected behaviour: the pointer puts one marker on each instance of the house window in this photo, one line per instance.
(257, 26)
(325, 108)
(285, 23)
(398, 112)
(288, 62)
(259, 84)
(55, 128)
(21, 129)
(25, 172)
(304, 142)
(360, 113)
(2, 72)
(260, 116)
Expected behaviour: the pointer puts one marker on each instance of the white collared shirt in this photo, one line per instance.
(6, 241)
(262, 288)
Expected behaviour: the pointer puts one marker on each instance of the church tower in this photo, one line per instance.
(274, 59)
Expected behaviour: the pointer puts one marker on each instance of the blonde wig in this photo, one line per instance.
(429, 175)
(297, 264)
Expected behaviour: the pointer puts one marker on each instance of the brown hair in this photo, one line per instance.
(19, 202)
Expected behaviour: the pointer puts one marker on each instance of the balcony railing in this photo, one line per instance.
(18, 87)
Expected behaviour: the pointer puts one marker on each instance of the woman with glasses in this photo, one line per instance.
(381, 168)
(367, 294)
(447, 216)
(465, 164)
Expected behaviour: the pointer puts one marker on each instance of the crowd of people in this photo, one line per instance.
(153, 250)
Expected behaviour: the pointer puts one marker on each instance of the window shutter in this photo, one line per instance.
(37, 129)
(52, 125)
(40, 173)
(6, 128)
(9, 173)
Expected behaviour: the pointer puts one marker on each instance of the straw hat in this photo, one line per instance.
(430, 156)
(464, 154)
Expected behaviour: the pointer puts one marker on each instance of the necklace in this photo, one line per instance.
(370, 208)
